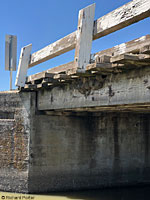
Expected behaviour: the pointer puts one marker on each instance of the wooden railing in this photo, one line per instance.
(81, 39)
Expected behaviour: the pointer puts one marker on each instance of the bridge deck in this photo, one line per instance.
(118, 59)
(117, 79)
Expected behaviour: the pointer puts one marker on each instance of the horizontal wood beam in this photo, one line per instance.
(122, 17)
(133, 46)
(145, 49)
(62, 68)
(59, 69)
(39, 76)
(55, 49)
(130, 57)
(96, 111)
(126, 15)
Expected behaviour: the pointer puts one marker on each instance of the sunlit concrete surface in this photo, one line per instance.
(132, 193)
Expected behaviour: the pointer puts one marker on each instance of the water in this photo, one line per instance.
(132, 193)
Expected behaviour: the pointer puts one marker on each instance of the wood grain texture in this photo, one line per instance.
(145, 49)
(59, 69)
(130, 57)
(99, 66)
(55, 49)
(39, 76)
(133, 46)
(126, 15)
(84, 37)
(62, 68)
(23, 65)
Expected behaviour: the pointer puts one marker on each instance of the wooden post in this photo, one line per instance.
(84, 37)
(119, 18)
(23, 65)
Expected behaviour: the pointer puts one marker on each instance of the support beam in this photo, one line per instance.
(123, 58)
(39, 76)
(133, 46)
(132, 87)
(145, 49)
(124, 16)
(61, 68)
(55, 49)
(84, 37)
(23, 65)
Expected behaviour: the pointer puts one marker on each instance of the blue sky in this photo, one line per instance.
(42, 22)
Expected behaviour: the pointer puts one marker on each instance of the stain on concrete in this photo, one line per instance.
(111, 92)
(43, 153)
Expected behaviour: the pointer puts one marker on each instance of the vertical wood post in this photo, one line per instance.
(84, 37)
(23, 65)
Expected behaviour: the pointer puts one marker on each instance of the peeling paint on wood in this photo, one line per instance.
(84, 36)
(133, 46)
(55, 49)
(126, 15)
(23, 65)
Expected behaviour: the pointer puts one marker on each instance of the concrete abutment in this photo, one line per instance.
(43, 153)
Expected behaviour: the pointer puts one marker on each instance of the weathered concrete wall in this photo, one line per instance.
(15, 112)
(130, 87)
(41, 153)
(89, 151)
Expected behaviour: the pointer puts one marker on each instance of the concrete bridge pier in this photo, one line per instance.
(84, 124)
(43, 151)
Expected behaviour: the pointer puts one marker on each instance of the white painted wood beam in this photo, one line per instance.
(84, 37)
(23, 65)
(124, 16)
(134, 46)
